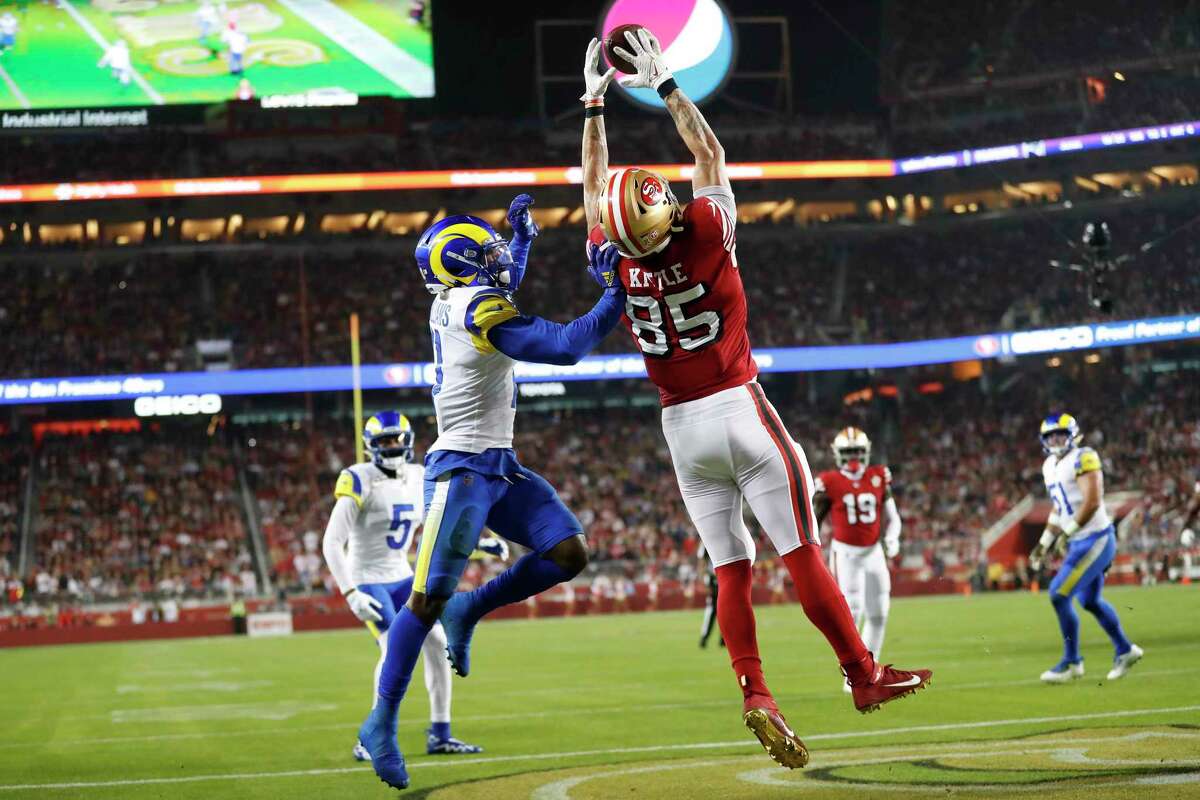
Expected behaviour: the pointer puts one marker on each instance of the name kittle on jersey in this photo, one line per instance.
(644, 279)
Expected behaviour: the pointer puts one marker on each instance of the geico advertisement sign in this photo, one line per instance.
(177, 405)
(1073, 338)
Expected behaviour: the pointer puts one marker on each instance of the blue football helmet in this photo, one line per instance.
(384, 425)
(1061, 423)
(462, 250)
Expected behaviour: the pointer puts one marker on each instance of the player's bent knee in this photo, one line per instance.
(570, 555)
(428, 607)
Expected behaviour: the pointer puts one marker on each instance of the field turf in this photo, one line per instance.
(623, 706)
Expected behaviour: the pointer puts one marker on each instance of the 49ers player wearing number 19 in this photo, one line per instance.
(686, 310)
(857, 496)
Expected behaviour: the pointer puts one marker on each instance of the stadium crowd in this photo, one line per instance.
(132, 514)
(156, 513)
(935, 44)
(289, 306)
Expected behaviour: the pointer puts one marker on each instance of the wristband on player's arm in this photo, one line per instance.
(1069, 526)
(1048, 537)
(593, 107)
(350, 591)
(666, 87)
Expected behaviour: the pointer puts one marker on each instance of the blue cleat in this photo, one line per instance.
(448, 746)
(458, 633)
(378, 737)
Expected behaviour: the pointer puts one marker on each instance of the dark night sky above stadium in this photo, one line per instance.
(484, 54)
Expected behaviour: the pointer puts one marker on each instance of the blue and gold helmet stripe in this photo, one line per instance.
(437, 255)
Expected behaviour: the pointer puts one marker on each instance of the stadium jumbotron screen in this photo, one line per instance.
(111, 53)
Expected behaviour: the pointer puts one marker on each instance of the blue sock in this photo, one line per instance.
(1068, 623)
(405, 635)
(1106, 615)
(531, 575)
(440, 731)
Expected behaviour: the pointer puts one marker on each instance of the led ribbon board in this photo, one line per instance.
(596, 368)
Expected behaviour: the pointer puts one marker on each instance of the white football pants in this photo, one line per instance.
(862, 575)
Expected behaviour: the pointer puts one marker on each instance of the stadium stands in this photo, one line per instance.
(14, 461)
(123, 514)
(289, 306)
(156, 512)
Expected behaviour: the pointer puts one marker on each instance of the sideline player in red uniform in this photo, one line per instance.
(686, 310)
(857, 496)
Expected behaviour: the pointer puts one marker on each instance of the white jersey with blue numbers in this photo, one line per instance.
(389, 512)
(1062, 482)
(474, 391)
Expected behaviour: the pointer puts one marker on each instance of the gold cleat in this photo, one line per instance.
(780, 741)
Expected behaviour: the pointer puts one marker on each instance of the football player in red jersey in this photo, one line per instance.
(686, 311)
(857, 496)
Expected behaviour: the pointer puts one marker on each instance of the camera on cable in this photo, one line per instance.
(1098, 264)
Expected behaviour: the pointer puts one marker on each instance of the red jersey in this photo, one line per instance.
(686, 307)
(857, 503)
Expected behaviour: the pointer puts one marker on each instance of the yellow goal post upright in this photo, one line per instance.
(356, 379)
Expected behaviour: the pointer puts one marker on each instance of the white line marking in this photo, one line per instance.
(196, 686)
(800, 781)
(285, 709)
(91, 31)
(366, 44)
(12, 87)
(467, 762)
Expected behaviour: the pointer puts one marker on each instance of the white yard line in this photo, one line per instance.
(420, 723)
(91, 31)
(12, 87)
(467, 762)
(366, 44)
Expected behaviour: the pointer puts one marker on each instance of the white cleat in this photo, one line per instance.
(846, 687)
(1063, 673)
(361, 753)
(1122, 663)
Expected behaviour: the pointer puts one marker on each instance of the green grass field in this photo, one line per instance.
(623, 706)
(361, 46)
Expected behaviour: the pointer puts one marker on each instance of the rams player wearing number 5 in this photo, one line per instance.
(1075, 481)
(472, 476)
(378, 511)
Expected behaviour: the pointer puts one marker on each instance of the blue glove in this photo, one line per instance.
(602, 264)
(520, 219)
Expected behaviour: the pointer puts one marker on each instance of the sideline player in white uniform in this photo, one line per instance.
(1075, 483)
(378, 511)
(853, 496)
(472, 476)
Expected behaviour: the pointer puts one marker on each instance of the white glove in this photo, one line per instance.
(891, 547)
(365, 607)
(596, 83)
(1187, 538)
(494, 546)
(652, 71)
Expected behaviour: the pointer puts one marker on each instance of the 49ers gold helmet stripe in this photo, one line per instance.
(616, 210)
(639, 212)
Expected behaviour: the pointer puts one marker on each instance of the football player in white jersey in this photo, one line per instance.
(472, 476)
(1075, 482)
(377, 513)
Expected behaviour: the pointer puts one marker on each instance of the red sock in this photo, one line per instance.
(826, 607)
(735, 616)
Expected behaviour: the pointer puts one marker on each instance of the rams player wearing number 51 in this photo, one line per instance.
(378, 511)
(1075, 481)
(472, 476)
